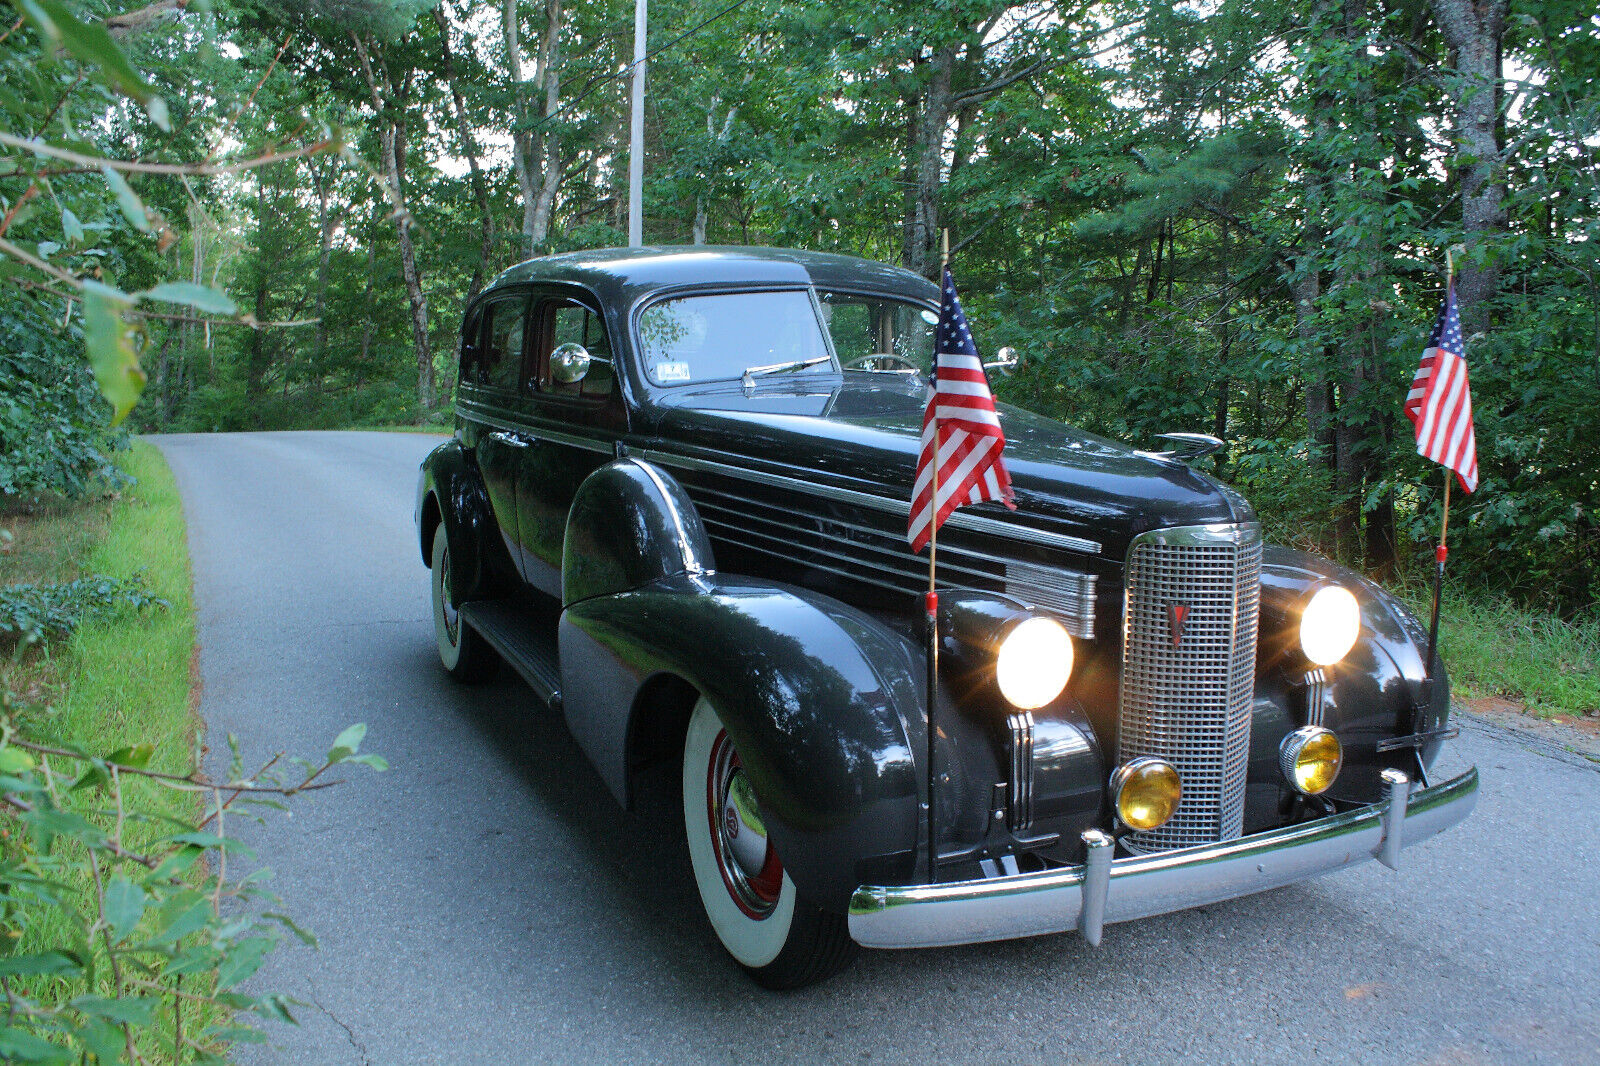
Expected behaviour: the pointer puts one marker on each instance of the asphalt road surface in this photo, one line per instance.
(485, 901)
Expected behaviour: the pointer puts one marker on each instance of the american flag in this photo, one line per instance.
(961, 414)
(1440, 403)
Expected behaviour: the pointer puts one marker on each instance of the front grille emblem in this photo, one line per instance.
(1176, 613)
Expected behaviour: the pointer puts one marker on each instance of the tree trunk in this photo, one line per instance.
(469, 148)
(522, 137)
(550, 156)
(937, 103)
(394, 153)
(1473, 30)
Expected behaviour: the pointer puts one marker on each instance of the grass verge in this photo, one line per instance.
(1494, 648)
(115, 682)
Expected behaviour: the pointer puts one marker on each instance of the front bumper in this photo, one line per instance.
(1100, 891)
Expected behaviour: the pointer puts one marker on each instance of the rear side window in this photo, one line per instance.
(502, 353)
(471, 349)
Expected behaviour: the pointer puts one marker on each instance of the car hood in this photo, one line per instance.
(864, 435)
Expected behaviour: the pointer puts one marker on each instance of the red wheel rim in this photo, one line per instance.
(756, 893)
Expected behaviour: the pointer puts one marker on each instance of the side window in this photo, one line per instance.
(576, 324)
(502, 352)
(471, 353)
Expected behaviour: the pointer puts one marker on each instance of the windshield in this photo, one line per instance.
(875, 333)
(715, 338)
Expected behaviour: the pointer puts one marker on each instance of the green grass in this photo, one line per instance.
(121, 681)
(1494, 648)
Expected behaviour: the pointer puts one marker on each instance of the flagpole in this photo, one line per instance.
(931, 600)
(1440, 552)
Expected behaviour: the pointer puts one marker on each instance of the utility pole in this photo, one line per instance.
(636, 138)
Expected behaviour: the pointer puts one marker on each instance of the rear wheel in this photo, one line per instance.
(780, 938)
(465, 654)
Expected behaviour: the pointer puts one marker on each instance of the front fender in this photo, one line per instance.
(1381, 689)
(822, 702)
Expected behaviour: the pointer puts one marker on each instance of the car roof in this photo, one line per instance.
(630, 274)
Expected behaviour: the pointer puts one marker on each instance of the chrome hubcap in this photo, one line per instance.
(750, 868)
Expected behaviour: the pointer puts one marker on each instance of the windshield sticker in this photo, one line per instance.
(666, 372)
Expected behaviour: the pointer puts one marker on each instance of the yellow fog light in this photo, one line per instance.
(1310, 758)
(1146, 791)
(1329, 625)
(1034, 663)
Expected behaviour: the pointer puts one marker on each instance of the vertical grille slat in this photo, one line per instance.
(1188, 682)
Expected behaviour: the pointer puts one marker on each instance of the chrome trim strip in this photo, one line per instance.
(537, 429)
(1316, 683)
(959, 520)
(1019, 799)
(970, 912)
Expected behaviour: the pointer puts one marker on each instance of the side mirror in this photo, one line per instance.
(1005, 361)
(569, 363)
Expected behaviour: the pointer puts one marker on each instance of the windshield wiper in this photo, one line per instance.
(748, 378)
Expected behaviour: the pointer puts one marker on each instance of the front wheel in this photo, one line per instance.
(780, 938)
(465, 654)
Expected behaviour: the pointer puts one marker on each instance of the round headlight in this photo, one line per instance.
(1034, 662)
(1146, 792)
(1329, 625)
(1310, 759)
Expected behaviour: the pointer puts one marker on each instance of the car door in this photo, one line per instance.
(499, 400)
(575, 425)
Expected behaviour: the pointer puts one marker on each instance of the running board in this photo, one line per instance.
(529, 647)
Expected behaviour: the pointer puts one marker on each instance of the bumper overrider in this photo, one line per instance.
(1105, 890)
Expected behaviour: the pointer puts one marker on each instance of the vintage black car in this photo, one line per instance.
(676, 503)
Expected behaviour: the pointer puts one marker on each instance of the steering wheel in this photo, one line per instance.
(860, 362)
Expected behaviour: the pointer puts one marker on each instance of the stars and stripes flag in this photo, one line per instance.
(961, 416)
(1440, 403)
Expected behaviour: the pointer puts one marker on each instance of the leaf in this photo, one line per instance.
(125, 902)
(347, 743)
(116, 365)
(211, 840)
(91, 43)
(18, 1046)
(136, 756)
(128, 200)
(46, 964)
(200, 297)
(174, 864)
(125, 1010)
(70, 226)
(377, 762)
(15, 761)
(305, 937)
(48, 248)
(244, 959)
(183, 914)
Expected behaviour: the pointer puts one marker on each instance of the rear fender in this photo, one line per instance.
(822, 702)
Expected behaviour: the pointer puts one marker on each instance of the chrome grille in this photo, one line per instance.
(1188, 675)
(871, 550)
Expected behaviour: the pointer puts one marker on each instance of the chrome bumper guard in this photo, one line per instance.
(1100, 891)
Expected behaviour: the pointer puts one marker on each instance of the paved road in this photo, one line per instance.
(486, 902)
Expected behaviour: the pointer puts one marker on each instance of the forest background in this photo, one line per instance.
(1229, 217)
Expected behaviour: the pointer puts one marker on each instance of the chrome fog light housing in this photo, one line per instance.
(1329, 625)
(1146, 792)
(1034, 662)
(1310, 759)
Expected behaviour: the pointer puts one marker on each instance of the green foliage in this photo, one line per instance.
(126, 932)
(31, 613)
(53, 424)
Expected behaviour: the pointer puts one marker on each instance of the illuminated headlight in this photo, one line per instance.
(1310, 759)
(1034, 663)
(1329, 625)
(1146, 792)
